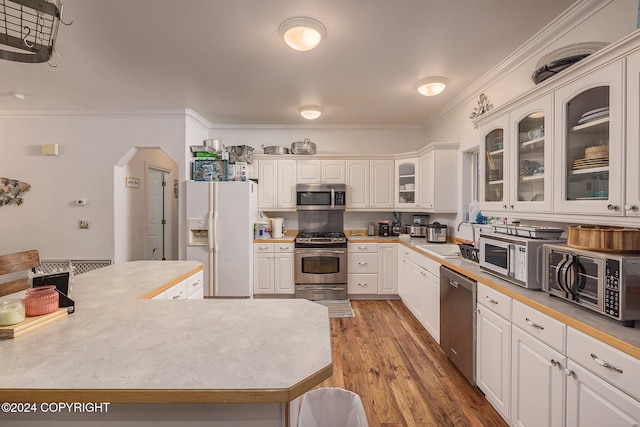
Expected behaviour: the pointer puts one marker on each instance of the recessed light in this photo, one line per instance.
(311, 112)
(302, 33)
(431, 86)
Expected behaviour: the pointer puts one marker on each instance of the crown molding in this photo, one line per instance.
(316, 127)
(575, 15)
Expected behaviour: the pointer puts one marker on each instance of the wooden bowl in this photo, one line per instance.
(596, 152)
(604, 238)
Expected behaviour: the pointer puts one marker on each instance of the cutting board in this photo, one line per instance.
(31, 323)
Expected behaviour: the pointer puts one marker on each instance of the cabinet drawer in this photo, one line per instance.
(362, 247)
(362, 263)
(194, 283)
(362, 283)
(620, 369)
(178, 291)
(282, 247)
(495, 301)
(547, 329)
(263, 247)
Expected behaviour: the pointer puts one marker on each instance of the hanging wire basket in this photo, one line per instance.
(29, 28)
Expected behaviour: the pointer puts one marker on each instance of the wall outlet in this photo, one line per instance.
(84, 224)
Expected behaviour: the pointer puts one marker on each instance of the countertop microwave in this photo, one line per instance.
(513, 258)
(316, 197)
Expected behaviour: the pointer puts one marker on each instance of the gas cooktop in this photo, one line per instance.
(315, 237)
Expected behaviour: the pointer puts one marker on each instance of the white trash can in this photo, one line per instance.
(330, 407)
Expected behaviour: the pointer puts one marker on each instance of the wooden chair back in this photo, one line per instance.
(15, 263)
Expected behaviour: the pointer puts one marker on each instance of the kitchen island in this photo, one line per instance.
(213, 362)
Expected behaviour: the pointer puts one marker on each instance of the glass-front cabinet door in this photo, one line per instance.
(532, 156)
(406, 183)
(494, 166)
(589, 142)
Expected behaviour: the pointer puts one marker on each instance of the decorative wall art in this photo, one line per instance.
(10, 190)
(484, 106)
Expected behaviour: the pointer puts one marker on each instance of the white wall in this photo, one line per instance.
(329, 139)
(90, 147)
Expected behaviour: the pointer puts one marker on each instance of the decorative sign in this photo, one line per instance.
(10, 190)
(133, 182)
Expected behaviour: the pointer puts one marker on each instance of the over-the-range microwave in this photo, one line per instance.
(321, 197)
(513, 258)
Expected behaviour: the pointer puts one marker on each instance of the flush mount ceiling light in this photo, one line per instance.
(431, 86)
(302, 33)
(311, 112)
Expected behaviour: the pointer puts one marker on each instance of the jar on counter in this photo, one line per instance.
(41, 300)
(11, 311)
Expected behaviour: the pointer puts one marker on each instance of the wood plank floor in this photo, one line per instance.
(400, 372)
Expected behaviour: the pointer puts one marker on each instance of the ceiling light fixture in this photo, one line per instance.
(431, 86)
(18, 95)
(311, 112)
(302, 33)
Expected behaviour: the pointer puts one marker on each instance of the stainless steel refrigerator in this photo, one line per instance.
(220, 219)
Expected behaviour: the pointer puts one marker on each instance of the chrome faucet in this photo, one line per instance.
(473, 229)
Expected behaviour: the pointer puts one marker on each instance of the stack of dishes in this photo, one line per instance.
(594, 157)
(592, 115)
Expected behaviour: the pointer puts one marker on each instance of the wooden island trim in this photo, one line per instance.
(167, 396)
(170, 284)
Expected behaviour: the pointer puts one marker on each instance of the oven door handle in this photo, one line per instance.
(320, 288)
(307, 252)
(572, 285)
(510, 257)
(333, 198)
(560, 275)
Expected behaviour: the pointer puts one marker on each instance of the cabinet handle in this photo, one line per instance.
(196, 283)
(492, 301)
(510, 207)
(630, 208)
(605, 364)
(362, 248)
(263, 248)
(284, 248)
(568, 372)
(535, 325)
(177, 296)
(363, 263)
(556, 363)
(362, 284)
(612, 207)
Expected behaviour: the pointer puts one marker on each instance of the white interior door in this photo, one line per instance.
(157, 210)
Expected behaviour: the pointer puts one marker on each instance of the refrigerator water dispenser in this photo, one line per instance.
(198, 232)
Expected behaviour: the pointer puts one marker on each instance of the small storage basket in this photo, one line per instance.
(240, 153)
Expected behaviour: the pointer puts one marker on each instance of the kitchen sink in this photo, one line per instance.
(441, 250)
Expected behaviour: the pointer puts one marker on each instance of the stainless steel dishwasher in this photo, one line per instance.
(458, 321)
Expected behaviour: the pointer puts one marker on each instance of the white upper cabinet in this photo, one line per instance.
(406, 184)
(438, 172)
(316, 171)
(277, 184)
(358, 184)
(632, 201)
(531, 159)
(381, 187)
(589, 140)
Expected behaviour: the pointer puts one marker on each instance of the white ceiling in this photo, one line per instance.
(225, 59)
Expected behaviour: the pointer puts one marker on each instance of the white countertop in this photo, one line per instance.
(201, 350)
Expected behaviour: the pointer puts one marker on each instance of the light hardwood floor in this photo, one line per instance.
(400, 372)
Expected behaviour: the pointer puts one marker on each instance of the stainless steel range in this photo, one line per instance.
(320, 256)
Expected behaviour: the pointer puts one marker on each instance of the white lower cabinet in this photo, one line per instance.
(538, 372)
(362, 268)
(273, 268)
(195, 286)
(537, 382)
(419, 288)
(387, 269)
(493, 348)
(602, 384)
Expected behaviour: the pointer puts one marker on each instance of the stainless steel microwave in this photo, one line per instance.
(316, 197)
(606, 283)
(513, 258)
